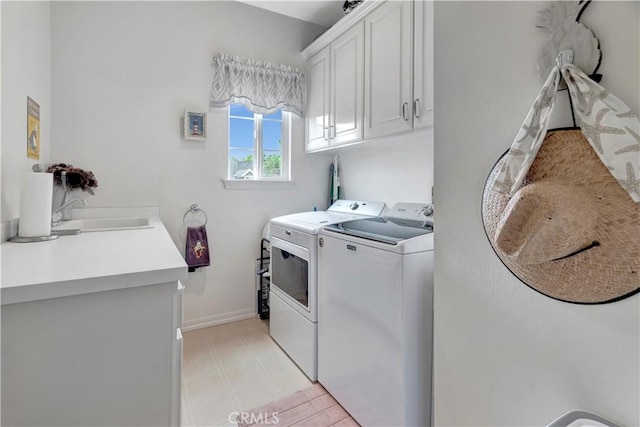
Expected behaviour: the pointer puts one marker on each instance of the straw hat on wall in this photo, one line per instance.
(571, 232)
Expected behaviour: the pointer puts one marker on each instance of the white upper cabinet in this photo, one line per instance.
(318, 100)
(388, 51)
(335, 92)
(371, 74)
(347, 86)
(423, 64)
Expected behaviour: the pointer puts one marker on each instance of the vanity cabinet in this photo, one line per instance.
(371, 75)
(335, 92)
(102, 358)
(91, 327)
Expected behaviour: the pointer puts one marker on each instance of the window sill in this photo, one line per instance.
(250, 184)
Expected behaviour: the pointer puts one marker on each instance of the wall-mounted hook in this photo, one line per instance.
(560, 20)
(564, 57)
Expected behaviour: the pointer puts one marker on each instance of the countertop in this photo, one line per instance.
(91, 262)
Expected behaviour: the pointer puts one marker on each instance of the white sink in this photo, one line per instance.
(104, 224)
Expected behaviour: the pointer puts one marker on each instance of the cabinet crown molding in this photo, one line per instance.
(340, 27)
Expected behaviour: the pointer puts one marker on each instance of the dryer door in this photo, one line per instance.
(290, 272)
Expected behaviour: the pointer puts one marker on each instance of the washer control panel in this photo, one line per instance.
(411, 211)
(358, 207)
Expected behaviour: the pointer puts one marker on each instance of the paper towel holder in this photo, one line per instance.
(36, 168)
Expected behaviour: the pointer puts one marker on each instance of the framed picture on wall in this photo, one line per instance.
(195, 125)
(33, 129)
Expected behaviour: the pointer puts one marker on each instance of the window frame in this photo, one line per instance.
(258, 150)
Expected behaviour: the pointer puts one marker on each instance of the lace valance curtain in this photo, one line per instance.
(262, 87)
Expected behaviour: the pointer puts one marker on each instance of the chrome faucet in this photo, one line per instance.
(63, 213)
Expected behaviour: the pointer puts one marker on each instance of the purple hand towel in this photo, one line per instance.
(197, 250)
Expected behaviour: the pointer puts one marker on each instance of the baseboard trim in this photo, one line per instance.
(218, 319)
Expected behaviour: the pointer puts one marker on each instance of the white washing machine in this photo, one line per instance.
(375, 316)
(293, 307)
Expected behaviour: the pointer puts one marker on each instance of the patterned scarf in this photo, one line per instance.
(606, 122)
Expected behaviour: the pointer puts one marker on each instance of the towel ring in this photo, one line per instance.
(194, 209)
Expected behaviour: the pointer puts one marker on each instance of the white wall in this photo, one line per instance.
(123, 73)
(26, 71)
(400, 171)
(505, 354)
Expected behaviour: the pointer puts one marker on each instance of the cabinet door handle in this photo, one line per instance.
(332, 132)
(324, 133)
(404, 111)
(417, 110)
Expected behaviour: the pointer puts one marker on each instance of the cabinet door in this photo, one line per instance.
(102, 358)
(423, 65)
(176, 358)
(318, 94)
(388, 52)
(347, 85)
(176, 379)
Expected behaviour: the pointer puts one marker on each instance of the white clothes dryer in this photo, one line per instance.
(293, 306)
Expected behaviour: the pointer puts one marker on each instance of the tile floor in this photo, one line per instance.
(232, 368)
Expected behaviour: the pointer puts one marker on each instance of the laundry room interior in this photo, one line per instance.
(313, 213)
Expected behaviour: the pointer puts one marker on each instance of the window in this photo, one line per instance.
(258, 145)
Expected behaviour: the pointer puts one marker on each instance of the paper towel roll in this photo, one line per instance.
(36, 191)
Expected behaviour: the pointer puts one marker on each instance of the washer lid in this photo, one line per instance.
(385, 230)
